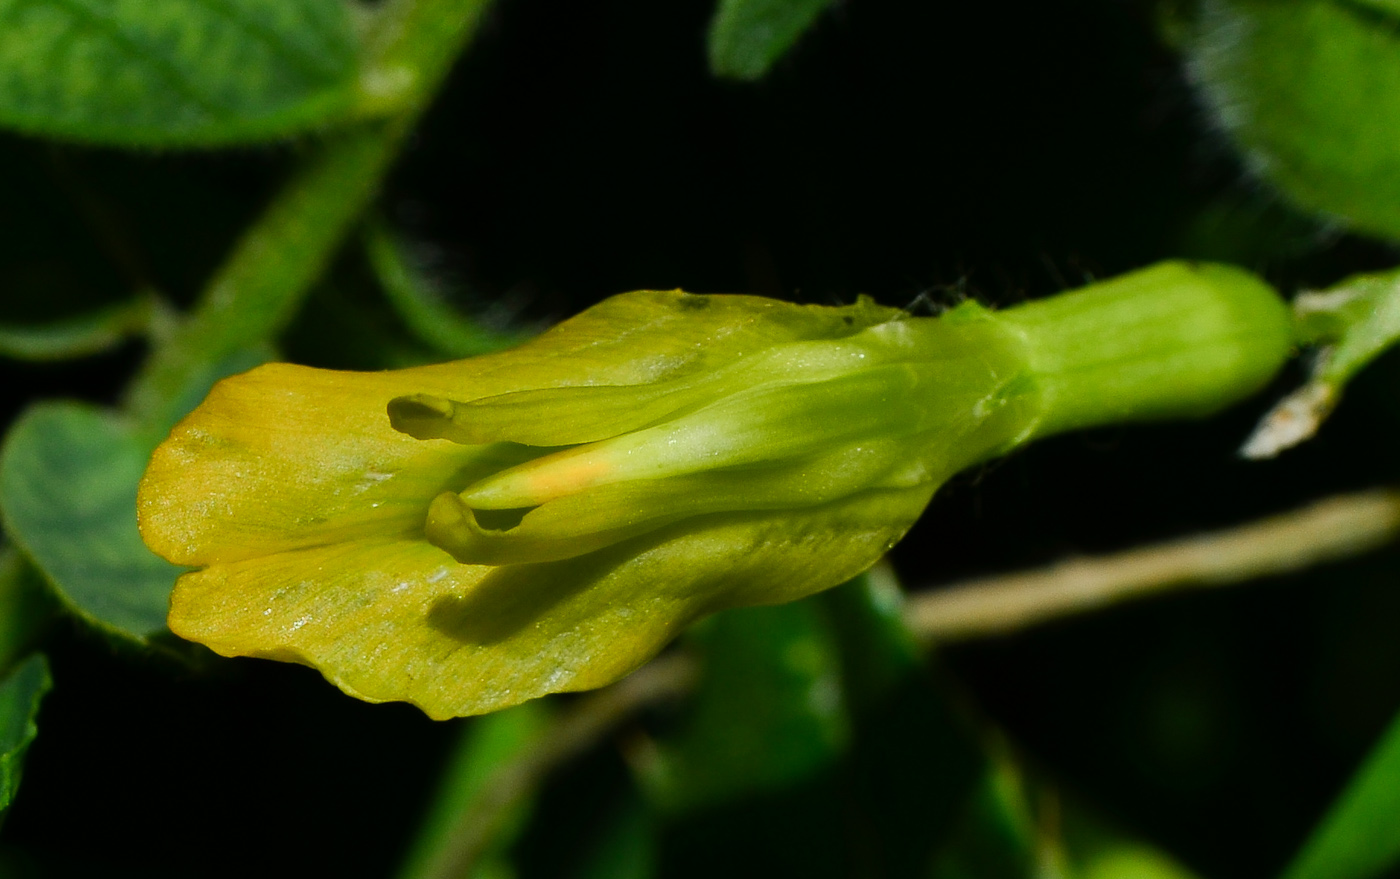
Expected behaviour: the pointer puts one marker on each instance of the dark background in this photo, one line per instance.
(919, 152)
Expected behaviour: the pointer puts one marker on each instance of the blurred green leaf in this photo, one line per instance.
(1357, 837)
(768, 712)
(1310, 91)
(176, 72)
(897, 787)
(748, 36)
(68, 475)
(77, 336)
(421, 305)
(917, 760)
(25, 607)
(486, 744)
(878, 652)
(20, 693)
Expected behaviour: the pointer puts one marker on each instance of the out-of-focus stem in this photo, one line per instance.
(576, 730)
(1329, 529)
(261, 285)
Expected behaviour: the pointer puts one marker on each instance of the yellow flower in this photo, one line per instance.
(474, 534)
(306, 510)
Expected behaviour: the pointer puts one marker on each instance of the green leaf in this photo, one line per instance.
(76, 336)
(20, 694)
(68, 475)
(485, 745)
(748, 36)
(769, 710)
(1310, 92)
(1356, 839)
(174, 72)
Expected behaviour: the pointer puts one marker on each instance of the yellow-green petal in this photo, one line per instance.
(287, 456)
(284, 457)
(580, 523)
(398, 619)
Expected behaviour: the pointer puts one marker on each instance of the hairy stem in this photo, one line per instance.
(264, 280)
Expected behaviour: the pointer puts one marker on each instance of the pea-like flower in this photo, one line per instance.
(470, 535)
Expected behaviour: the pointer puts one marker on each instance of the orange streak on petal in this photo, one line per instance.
(560, 478)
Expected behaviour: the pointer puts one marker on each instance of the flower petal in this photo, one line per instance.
(285, 456)
(559, 416)
(581, 523)
(398, 619)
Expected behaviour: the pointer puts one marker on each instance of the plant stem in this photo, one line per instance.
(1333, 528)
(262, 283)
(259, 288)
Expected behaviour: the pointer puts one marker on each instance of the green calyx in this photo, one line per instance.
(1176, 340)
(897, 405)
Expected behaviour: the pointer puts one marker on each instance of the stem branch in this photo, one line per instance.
(1329, 529)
